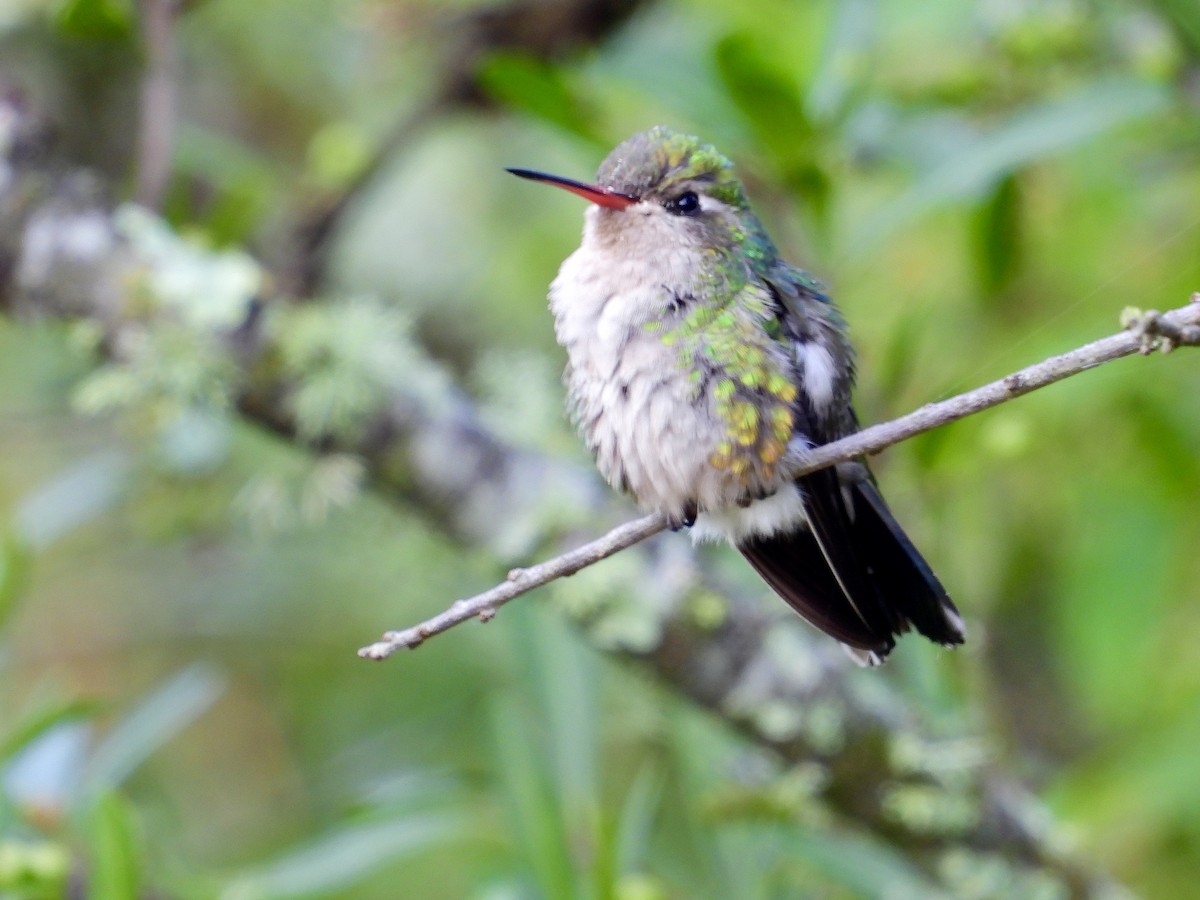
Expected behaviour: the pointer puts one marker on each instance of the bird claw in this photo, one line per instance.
(684, 519)
(753, 496)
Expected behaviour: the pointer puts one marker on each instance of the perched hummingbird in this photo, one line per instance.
(701, 365)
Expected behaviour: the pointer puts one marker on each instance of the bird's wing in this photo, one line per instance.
(855, 574)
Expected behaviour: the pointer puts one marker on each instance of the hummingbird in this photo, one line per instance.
(701, 366)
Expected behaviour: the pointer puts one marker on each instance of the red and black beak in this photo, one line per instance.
(601, 196)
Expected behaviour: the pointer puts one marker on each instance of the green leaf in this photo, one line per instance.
(15, 562)
(523, 771)
(772, 102)
(72, 498)
(153, 723)
(1184, 15)
(33, 870)
(28, 730)
(242, 180)
(94, 19)
(342, 857)
(865, 865)
(997, 235)
(114, 849)
(845, 57)
(540, 89)
(568, 675)
(769, 97)
(636, 822)
(1031, 135)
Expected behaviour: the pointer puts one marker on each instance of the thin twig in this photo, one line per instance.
(1144, 332)
(518, 582)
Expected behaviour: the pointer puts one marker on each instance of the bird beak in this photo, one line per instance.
(601, 196)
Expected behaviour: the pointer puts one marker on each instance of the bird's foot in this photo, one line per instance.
(751, 497)
(685, 518)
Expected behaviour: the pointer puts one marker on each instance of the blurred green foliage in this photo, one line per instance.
(982, 183)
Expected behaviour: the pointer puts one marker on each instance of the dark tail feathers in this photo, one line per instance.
(855, 576)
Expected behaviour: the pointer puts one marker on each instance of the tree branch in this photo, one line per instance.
(1143, 333)
(156, 128)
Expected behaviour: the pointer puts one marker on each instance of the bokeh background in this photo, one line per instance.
(182, 587)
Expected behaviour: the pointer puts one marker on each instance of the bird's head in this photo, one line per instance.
(662, 190)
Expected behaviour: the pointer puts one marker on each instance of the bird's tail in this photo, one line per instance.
(854, 573)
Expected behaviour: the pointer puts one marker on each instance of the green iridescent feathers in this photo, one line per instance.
(729, 337)
(662, 160)
(731, 347)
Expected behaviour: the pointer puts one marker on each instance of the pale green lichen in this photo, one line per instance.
(910, 754)
(611, 605)
(346, 360)
(706, 610)
(277, 501)
(825, 726)
(971, 875)
(520, 399)
(778, 720)
(164, 371)
(170, 369)
(929, 810)
(34, 868)
(203, 287)
(793, 796)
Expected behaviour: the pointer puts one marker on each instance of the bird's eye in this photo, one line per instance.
(686, 204)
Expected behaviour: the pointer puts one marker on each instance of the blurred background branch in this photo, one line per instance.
(160, 83)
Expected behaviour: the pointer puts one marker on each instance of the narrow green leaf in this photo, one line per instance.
(538, 88)
(29, 729)
(772, 101)
(1184, 15)
(157, 720)
(72, 498)
(997, 237)
(339, 859)
(844, 59)
(1030, 135)
(15, 562)
(523, 772)
(94, 19)
(113, 849)
(569, 679)
(866, 866)
(636, 822)
(768, 97)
